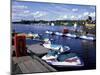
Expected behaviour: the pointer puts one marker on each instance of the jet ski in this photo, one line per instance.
(58, 33)
(62, 34)
(62, 59)
(31, 35)
(47, 44)
(71, 35)
(48, 32)
(57, 47)
(87, 37)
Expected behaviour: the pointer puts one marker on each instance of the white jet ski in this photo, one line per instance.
(61, 34)
(48, 32)
(71, 35)
(58, 33)
(87, 37)
(31, 35)
(47, 44)
(63, 59)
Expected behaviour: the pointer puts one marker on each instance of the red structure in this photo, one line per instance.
(65, 31)
(20, 45)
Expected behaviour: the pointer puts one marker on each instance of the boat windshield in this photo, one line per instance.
(52, 52)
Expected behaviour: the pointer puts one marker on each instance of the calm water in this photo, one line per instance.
(84, 48)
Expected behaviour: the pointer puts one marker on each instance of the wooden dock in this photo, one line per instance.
(31, 63)
(28, 64)
(38, 49)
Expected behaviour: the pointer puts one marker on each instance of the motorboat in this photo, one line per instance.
(63, 59)
(75, 26)
(47, 44)
(52, 24)
(87, 37)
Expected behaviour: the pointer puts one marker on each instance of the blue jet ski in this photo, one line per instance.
(47, 44)
(58, 59)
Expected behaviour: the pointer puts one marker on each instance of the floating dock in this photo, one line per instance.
(38, 49)
(31, 63)
(27, 64)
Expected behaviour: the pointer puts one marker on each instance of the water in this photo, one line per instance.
(84, 48)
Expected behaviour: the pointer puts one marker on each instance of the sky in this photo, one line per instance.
(50, 11)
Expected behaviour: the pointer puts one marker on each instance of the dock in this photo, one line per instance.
(31, 63)
(38, 49)
(27, 64)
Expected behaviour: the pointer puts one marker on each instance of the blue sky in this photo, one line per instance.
(50, 11)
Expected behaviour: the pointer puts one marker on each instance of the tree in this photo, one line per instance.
(89, 19)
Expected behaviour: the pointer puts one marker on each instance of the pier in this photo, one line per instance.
(31, 63)
(38, 49)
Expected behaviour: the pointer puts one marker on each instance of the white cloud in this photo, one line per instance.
(38, 14)
(21, 13)
(79, 16)
(62, 17)
(26, 11)
(73, 17)
(61, 8)
(74, 9)
(92, 7)
(19, 7)
(35, 13)
(92, 14)
(85, 13)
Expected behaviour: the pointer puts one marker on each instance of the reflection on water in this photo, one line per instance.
(89, 53)
(85, 49)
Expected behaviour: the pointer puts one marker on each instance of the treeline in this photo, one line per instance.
(57, 22)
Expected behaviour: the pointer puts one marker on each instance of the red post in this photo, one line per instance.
(20, 45)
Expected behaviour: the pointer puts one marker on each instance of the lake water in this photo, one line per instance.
(84, 48)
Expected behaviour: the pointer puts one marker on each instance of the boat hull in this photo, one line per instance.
(63, 60)
(87, 38)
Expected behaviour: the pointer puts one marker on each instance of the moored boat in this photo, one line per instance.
(62, 59)
(48, 32)
(31, 35)
(58, 33)
(47, 44)
(71, 35)
(87, 37)
(61, 34)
